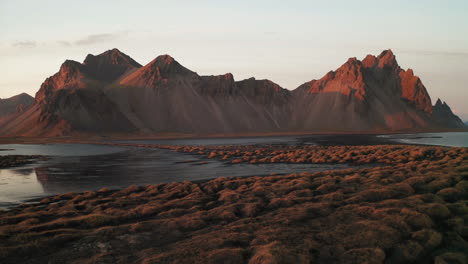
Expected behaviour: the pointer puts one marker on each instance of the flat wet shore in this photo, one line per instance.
(412, 207)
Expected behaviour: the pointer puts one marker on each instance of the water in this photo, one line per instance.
(57, 149)
(81, 167)
(286, 140)
(77, 168)
(451, 139)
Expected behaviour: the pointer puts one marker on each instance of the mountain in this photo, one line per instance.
(445, 117)
(164, 96)
(373, 94)
(15, 104)
(112, 94)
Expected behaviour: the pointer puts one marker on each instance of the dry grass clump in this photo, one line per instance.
(385, 154)
(412, 210)
(17, 160)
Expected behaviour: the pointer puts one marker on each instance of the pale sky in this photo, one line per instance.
(288, 42)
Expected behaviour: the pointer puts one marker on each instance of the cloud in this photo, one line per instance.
(86, 40)
(98, 38)
(436, 53)
(64, 43)
(25, 44)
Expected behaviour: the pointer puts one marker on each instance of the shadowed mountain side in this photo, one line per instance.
(69, 112)
(337, 112)
(445, 117)
(89, 111)
(17, 103)
(110, 65)
(33, 122)
(194, 105)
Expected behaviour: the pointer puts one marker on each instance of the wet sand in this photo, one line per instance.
(413, 207)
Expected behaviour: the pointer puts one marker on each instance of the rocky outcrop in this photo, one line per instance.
(112, 94)
(373, 94)
(444, 117)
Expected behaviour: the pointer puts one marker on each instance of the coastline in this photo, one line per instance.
(163, 136)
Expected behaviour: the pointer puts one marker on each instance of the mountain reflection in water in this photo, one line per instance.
(137, 166)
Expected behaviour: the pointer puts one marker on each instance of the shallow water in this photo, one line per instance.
(58, 149)
(288, 140)
(119, 168)
(81, 167)
(451, 139)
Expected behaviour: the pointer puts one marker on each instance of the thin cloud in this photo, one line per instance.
(25, 44)
(437, 53)
(97, 38)
(92, 39)
(64, 43)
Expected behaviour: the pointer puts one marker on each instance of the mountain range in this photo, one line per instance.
(112, 94)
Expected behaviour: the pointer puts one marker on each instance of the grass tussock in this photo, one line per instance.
(412, 208)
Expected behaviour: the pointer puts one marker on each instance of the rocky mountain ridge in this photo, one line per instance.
(112, 94)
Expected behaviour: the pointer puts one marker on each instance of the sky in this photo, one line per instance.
(288, 42)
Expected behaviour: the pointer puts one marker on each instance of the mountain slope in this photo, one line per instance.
(112, 94)
(164, 96)
(72, 101)
(444, 117)
(17, 103)
(373, 94)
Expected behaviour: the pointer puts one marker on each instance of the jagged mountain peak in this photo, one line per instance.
(445, 117)
(166, 64)
(164, 96)
(352, 61)
(387, 59)
(386, 53)
(70, 65)
(373, 75)
(109, 65)
(369, 61)
(113, 56)
(165, 59)
(158, 71)
(352, 65)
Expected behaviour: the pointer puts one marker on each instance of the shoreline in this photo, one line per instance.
(169, 136)
(319, 141)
